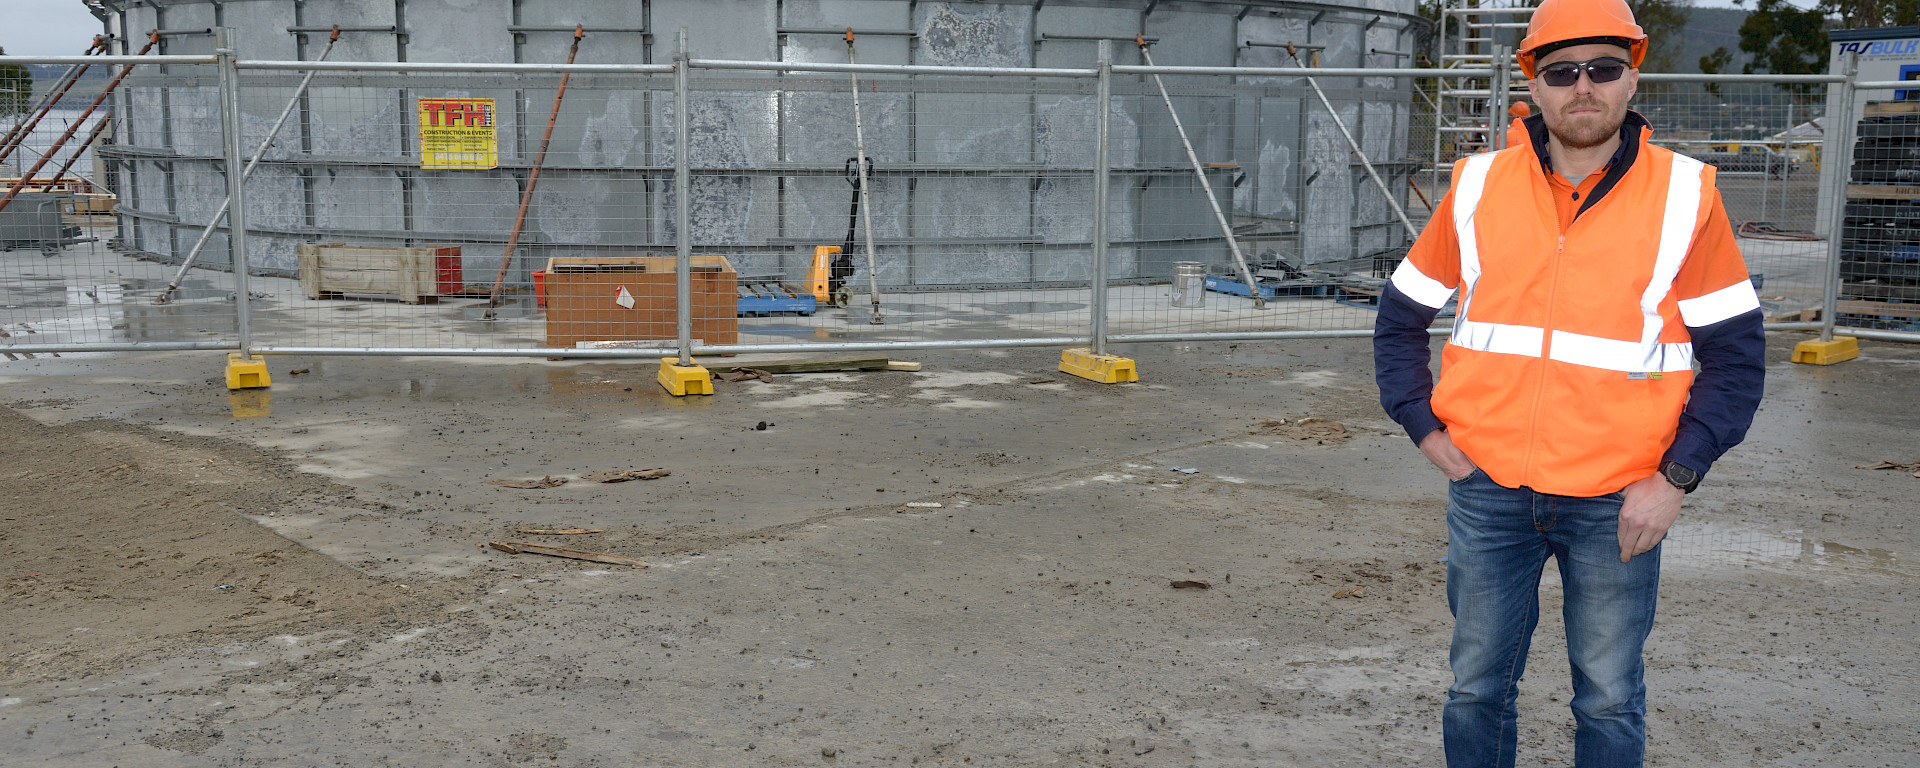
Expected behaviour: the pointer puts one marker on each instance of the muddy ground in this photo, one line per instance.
(291, 577)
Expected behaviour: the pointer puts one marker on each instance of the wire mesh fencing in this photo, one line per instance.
(1879, 269)
(422, 210)
(395, 208)
(1767, 150)
(67, 281)
(969, 218)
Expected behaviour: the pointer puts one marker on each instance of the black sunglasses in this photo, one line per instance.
(1561, 74)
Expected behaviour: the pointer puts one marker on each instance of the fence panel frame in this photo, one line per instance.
(1097, 332)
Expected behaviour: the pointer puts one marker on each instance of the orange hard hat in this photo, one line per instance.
(1519, 109)
(1564, 21)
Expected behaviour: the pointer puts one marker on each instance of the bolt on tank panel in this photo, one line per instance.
(184, 16)
(459, 30)
(356, 121)
(346, 199)
(1071, 20)
(579, 208)
(717, 29)
(974, 35)
(1192, 40)
(260, 29)
(353, 46)
(193, 120)
(1383, 46)
(840, 14)
(1273, 189)
(1270, 30)
(1329, 195)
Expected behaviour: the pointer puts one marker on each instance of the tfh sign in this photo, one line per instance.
(457, 133)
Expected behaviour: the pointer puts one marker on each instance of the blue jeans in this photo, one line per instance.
(1499, 541)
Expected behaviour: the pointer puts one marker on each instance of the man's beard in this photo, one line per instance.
(1588, 131)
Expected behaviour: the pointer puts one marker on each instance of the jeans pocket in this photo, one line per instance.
(1469, 476)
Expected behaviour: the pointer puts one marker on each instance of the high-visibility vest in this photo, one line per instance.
(1570, 360)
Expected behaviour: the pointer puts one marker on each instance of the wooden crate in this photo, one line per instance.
(90, 204)
(583, 303)
(417, 275)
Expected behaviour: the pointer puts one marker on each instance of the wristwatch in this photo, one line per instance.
(1680, 476)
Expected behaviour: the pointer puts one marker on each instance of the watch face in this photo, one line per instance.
(1680, 476)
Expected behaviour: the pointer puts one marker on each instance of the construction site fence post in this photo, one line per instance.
(1838, 171)
(682, 238)
(1102, 171)
(236, 184)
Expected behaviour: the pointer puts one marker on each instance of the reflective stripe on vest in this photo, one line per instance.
(1642, 355)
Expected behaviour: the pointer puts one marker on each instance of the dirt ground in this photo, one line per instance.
(969, 565)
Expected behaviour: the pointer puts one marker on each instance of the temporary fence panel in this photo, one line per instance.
(66, 281)
(1763, 140)
(380, 216)
(1308, 211)
(384, 218)
(973, 222)
(1879, 290)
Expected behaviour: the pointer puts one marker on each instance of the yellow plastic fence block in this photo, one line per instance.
(1817, 352)
(245, 373)
(1106, 369)
(683, 380)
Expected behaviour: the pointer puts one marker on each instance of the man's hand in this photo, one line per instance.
(1651, 505)
(1440, 450)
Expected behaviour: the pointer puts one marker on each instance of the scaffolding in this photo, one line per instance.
(1470, 113)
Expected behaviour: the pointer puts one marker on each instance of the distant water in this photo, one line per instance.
(55, 123)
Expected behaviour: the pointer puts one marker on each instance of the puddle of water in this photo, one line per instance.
(1031, 307)
(1712, 545)
(513, 310)
(251, 403)
(791, 330)
(176, 320)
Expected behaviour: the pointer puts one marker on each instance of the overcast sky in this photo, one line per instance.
(63, 27)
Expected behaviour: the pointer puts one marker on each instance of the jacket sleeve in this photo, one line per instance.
(1722, 314)
(1402, 353)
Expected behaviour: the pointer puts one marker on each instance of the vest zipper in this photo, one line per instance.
(1546, 355)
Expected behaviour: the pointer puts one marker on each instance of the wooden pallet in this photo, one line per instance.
(1891, 108)
(1877, 309)
(1878, 291)
(1883, 192)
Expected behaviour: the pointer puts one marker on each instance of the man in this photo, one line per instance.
(1594, 270)
(1517, 131)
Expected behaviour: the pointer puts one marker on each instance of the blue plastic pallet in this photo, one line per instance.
(763, 306)
(1219, 284)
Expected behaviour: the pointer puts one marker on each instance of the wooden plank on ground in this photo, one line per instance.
(1878, 309)
(809, 364)
(1883, 192)
(517, 547)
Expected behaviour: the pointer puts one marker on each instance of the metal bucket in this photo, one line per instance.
(1189, 284)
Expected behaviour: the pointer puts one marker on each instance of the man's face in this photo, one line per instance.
(1584, 114)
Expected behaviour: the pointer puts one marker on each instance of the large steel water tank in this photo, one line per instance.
(977, 182)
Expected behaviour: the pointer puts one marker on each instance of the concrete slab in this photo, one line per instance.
(807, 599)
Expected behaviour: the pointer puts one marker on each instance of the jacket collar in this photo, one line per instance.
(1633, 131)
